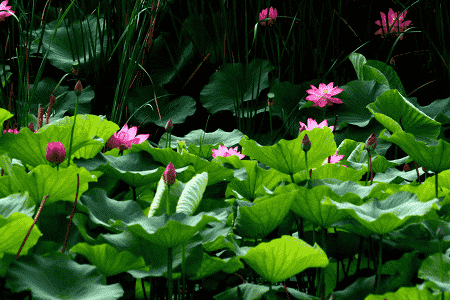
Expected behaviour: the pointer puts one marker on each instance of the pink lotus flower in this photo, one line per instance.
(322, 96)
(123, 139)
(15, 131)
(169, 174)
(223, 151)
(56, 153)
(313, 124)
(334, 159)
(396, 25)
(272, 16)
(4, 13)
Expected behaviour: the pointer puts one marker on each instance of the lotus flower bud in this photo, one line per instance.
(78, 88)
(371, 142)
(56, 153)
(169, 174)
(306, 143)
(169, 126)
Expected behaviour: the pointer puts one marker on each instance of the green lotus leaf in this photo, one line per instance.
(432, 157)
(284, 257)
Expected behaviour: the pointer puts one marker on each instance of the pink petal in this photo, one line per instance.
(322, 86)
(335, 100)
(132, 132)
(142, 138)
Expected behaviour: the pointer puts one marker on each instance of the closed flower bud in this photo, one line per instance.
(306, 143)
(169, 174)
(371, 142)
(78, 88)
(169, 126)
(56, 153)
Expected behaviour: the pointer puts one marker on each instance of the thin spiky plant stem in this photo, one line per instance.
(32, 225)
(73, 211)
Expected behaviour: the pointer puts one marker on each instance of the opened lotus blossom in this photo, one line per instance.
(396, 25)
(272, 16)
(3, 12)
(123, 139)
(225, 152)
(313, 124)
(322, 96)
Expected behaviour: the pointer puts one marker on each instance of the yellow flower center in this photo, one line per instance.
(325, 91)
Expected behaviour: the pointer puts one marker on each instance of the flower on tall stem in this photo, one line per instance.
(123, 139)
(3, 10)
(370, 145)
(313, 124)
(78, 88)
(271, 15)
(169, 128)
(169, 177)
(225, 152)
(395, 26)
(322, 96)
(56, 153)
(371, 142)
(169, 174)
(306, 146)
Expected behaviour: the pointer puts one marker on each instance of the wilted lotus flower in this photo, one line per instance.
(169, 174)
(56, 153)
